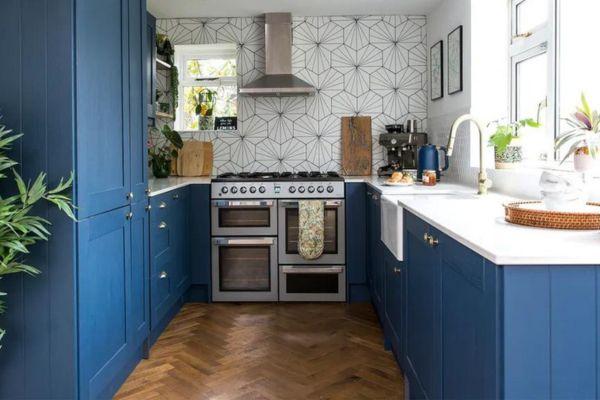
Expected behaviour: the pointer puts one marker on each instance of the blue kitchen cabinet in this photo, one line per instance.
(469, 323)
(102, 106)
(395, 303)
(169, 249)
(140, 267)
(375, 251)
(423, 310)
(109, 312)
(356, 242)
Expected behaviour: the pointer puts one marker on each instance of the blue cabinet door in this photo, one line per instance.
(199, 243)
(423, 311)
(137, 100)
(394, 303)
(469, 320)
(375, 249)
(356, 233)
(140, 269)
(102, 105)
(179, 224)
(106, 347)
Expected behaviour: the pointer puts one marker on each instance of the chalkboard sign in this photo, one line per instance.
(225, 123)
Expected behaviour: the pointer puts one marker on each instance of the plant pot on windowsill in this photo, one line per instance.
(511, 157)
(583, 161)
(206, 123)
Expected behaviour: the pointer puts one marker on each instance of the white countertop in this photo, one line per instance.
(162, 185)
(478, 223)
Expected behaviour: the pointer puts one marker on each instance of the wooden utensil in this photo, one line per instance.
(356, 146)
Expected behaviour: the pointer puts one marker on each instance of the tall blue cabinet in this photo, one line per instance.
(75, 85)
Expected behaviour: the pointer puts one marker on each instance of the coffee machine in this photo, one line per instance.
(402, 149)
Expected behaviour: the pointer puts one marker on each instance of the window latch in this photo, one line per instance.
(522, 35)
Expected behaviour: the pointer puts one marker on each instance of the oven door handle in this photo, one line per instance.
(295, 203)
(238, 203)
(244, 242)
(288, 269)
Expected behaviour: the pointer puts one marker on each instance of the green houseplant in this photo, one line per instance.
(508, 152)
(19, 229)
(582, 140)
(162, 151)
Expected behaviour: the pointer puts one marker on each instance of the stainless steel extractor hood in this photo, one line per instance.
(279, 80)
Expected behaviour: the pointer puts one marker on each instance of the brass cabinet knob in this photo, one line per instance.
(162, 225)
(397, 270)
(129, 215)
(426, 237)
(163, 275)
(433, 241)
(162, 205)
(130, 196)
(175, 196)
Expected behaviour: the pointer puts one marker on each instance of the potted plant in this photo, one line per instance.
(204, 101)
(583, 139)
(508, 152)
(161, 155)
(19, 229)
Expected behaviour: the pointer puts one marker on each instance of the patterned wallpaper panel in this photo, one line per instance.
(368, 65)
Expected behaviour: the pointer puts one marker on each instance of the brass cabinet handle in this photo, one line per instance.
(397, 270)
(426, 237)
(148, 207)
(129, 215)
(130, 196)
(162, 225)
(163, 275)
(162, 205)
(147, 191)
(175, 196)
(433, 241)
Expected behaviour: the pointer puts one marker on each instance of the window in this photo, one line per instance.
(207, 85)
(552, 62)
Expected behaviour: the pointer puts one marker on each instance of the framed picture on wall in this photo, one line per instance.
(436, 55)
(455, 61)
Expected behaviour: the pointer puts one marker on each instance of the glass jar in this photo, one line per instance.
(429, 177)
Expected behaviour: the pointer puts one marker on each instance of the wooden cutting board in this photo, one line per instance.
(356, 146)
(195, 158)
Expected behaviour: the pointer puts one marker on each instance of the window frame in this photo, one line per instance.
(187, 52)
(541, 39)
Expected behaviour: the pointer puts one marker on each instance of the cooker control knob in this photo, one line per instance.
(320, 189)
(301, 189)
(292, 189)
(252, 189)
(262, 189)
(224, 189)
(243, 189)
(234, 189)
(311, 189)
(329, 189)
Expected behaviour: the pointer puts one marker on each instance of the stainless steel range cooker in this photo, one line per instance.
(255, 238)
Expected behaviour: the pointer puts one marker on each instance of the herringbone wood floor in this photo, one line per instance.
(268, 351)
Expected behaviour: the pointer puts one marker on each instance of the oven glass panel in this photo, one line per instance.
(244, 217)
(291, 234)
(312, 283)
(244, 268)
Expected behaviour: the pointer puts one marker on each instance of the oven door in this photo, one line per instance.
(244, 269)
(312, 283)
(243, 217)
(335, 238)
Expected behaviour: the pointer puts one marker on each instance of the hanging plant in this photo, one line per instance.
(19, 230)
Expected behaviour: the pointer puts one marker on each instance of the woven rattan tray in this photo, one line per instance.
(524, 213)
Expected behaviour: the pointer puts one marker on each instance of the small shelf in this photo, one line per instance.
(160, 64)
(164, 115)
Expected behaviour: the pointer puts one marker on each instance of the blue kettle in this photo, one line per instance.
(429, 159)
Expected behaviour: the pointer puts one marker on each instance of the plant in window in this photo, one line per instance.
(162, 154)
(583, 139)
(507, 147)
(204, 106)
(19, 230)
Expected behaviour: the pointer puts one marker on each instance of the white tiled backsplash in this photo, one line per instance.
(369, 65)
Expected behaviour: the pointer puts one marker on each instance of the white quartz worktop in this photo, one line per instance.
(478, 223)
(162, 185)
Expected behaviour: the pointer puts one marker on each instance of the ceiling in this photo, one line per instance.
(246, 8)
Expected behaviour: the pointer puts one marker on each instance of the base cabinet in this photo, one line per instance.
(395, 303)
(375, 248)
(169, 249)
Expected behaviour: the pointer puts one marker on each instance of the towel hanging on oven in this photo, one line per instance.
(311, 228)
